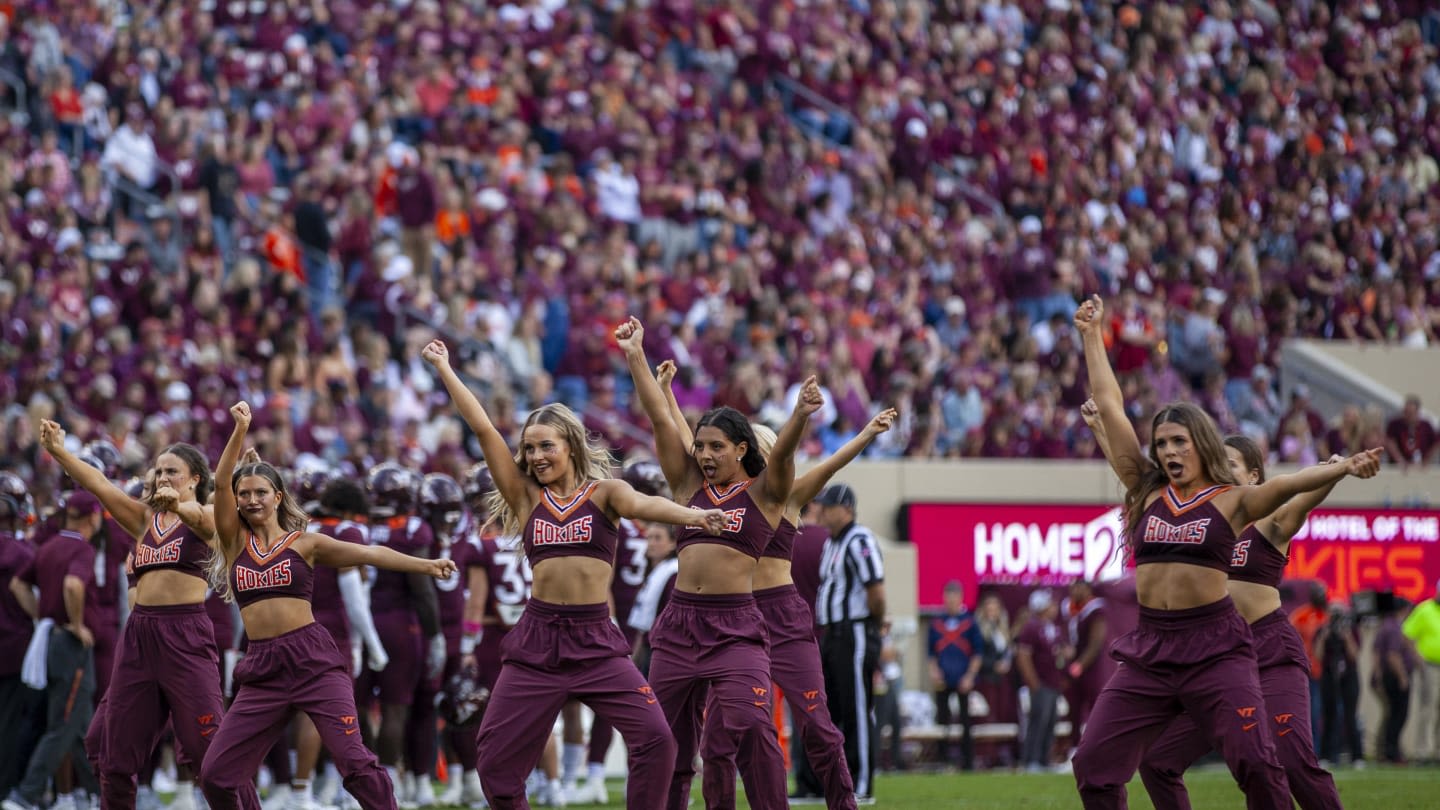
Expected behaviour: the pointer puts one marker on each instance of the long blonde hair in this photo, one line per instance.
(764, 437)
(592, 461)
(227, 549)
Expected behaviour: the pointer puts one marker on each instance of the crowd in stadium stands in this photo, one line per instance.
(283, 199)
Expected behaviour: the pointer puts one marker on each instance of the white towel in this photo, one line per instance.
(35, 671)
(647, 601)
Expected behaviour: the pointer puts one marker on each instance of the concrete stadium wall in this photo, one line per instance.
(1340, 373)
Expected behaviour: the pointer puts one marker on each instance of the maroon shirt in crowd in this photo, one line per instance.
(1043, 638)
(68, 555)
(16, 555)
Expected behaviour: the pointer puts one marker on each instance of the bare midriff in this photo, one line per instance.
(712, 568)
(1179, 586)
(572, 581)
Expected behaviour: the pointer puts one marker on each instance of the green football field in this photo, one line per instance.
(1376, 788)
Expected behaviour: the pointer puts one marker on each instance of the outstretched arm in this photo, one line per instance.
(1258, 501)
(1281, 526)
(670, 444)
(627, 503)
(509, 478)
(665, 375)
(779, 474)
(227, 520)
(127, 511)
(339, 554)
(807, 486)
(1125, 454)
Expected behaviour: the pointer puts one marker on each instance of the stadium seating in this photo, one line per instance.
(281, 200)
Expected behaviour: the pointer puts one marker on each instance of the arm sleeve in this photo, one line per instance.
(357, 608)
(864, 555)
(976, 638)
(26, 572)
(82, 566)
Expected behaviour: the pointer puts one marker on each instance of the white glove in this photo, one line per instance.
(469, 642)
(435, 658)
(379, 659)
(357, 656)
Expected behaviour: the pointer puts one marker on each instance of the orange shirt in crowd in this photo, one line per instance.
(1308, 620)
(283, 253)
(451, 225)
(385, 192)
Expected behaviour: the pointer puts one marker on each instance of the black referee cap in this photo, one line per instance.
(837, 495)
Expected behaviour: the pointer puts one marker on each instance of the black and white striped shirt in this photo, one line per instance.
(847, 567)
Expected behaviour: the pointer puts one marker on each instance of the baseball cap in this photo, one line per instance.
(82, 502)
(836, 495)
(1040, 600)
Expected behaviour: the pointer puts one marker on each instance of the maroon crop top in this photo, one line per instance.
(1189, 531)
(280, 572)
(176, 548)
(575, 527)
(746, 529)
(1257, 560)
(782, 544)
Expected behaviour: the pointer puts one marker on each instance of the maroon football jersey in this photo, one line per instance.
(16, 626)
(450, 591)
(509, 574)
(407, 535)
(329, 604)
(631, 566)
(805, 561)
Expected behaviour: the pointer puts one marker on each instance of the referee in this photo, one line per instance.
(850, 608)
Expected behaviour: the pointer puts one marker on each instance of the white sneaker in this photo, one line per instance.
(15, 801)
(184, 797)
(553, 795)
(423, 792)
(592, 792)
(471, 794)
(145, 798)
(535, 784)
(278, 799)
(163, 781)
(451, 795)
(65, 802)
(328, 790)
(344, 801)
(299, 801)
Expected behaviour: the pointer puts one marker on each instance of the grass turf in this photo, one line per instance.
(1375, 788)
